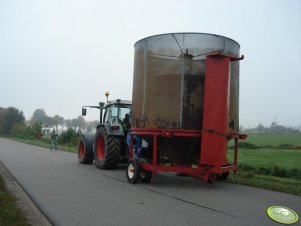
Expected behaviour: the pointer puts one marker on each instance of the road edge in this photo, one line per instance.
(24, 202)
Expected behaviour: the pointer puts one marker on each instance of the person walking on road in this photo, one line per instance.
(53, 140)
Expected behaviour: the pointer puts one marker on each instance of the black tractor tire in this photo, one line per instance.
(85, 149)
(133, 171)
(107, 150)
(125, 153)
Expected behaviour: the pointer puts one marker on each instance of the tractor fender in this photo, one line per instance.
(109, 130)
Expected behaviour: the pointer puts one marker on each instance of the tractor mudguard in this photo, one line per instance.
(110, 131)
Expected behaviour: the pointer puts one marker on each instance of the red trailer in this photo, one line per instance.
(210, 85)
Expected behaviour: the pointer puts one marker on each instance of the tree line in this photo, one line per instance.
(13, 122)
(78, 124)
(273, 129)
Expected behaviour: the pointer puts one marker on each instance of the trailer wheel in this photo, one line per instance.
(133, 171)
(222, 176)
(107, 150)
(145, 175)
(85, 149)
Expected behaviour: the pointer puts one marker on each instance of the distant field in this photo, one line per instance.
(273, 140)
(270, 161)
(268, 157)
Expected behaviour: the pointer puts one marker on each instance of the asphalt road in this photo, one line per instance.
(69, 193)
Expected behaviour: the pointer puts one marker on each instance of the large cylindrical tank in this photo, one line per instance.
(168, 87)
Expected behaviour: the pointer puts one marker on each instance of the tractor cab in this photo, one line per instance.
(117, 115)
(114, 115)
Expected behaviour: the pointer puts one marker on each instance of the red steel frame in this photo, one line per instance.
(215, 134)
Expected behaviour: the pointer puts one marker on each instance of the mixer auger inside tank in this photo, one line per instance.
(185, 106)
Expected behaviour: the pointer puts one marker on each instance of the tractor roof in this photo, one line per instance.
(119, 101)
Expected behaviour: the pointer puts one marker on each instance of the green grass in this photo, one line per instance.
(286, 185)
(9, 213)
(274, 140)
(270, 161)
(288, 159)
(45, 142)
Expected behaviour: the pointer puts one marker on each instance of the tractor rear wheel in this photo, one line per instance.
(106, 150)
(85, 149)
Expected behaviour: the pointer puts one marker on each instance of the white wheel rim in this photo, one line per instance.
(131, 169)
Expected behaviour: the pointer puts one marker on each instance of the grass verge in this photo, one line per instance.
(46, 144)
(269, 161)
(287, 185)
(9, 213)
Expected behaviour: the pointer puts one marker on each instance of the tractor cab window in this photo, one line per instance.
(116, 112)
(122, 112)
(108, 114)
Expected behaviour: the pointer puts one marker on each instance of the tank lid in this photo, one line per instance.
(188, 33)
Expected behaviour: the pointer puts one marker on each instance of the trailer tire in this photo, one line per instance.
(133, 171)
(222, 176)
(85, 149)
(106, 150)
(145, 175)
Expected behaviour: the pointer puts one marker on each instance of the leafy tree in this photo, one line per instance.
(68, 123)
(39, 115)
(81, 122)
(58, 120)
(75, 123)
(78, 122)
(19, 130)
(49, 122)
(36, 130)
(9, 118)
(69, 137)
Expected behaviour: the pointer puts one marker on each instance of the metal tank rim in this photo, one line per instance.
(200, 33)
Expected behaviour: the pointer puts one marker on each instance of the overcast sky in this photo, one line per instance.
(61, 54)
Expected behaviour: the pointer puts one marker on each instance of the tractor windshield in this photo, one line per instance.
(120, 111)
(116, 112)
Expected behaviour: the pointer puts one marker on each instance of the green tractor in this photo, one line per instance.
(108, 145)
